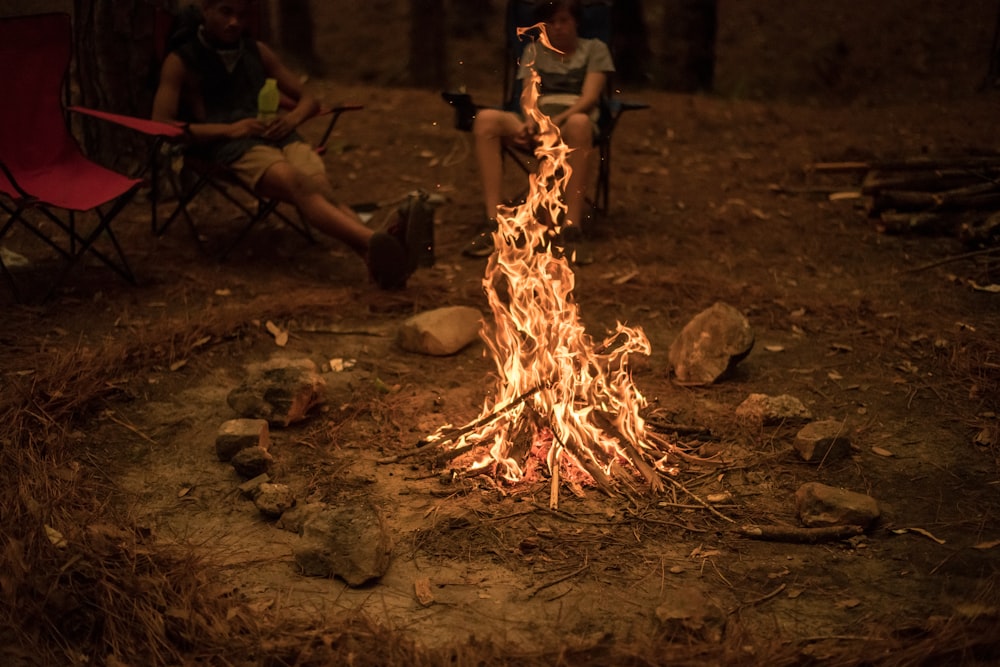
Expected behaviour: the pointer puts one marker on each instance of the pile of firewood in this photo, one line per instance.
(957, 196)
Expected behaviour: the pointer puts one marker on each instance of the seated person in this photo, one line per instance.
(572, 83)
(212, 79)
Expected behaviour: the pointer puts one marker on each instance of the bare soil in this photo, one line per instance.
(712, 201)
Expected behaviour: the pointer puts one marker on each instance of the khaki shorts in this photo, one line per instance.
(251, 165)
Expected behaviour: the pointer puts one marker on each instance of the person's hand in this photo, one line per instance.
(525, 137)
(279, 128)
(248, 127)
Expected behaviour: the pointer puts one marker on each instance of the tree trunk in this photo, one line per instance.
(630, 42)
(473, 18)
(296, 38)
(687, 45)
(115, 71)
(428, 45)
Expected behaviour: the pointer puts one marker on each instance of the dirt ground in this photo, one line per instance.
(711, 201)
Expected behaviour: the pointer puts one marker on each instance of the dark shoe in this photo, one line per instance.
(414, 228)
(575, 247)
(481, 244)
(387, 261)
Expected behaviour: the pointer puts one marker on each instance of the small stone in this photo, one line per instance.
(274, 499)
(823, 505)
(823, 441)
(251, 462)
(711, 345)
(772, 410)
(440, 332)
(251, 487)
(236, 434)
(281, 391)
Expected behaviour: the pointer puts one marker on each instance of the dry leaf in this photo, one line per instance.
(222, 292)
(986, 545)
(177, 365)
(993, 288)
(847, 194)
(280, 336)
(422, 590)
(55, 537)
(918, 531)
(774, 348)
(184, 491)
(834, 375)
(850, 603)
(881, 451)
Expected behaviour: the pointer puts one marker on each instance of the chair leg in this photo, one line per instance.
(183, 199)
(121, 267)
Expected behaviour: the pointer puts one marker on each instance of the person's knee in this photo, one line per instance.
(488, 123)
(578, 131)
(283, 181)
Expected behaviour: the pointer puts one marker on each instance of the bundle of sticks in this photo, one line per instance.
(958, 196)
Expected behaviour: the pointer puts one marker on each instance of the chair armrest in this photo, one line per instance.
(152, 128)
(334, 113)
(621, 106)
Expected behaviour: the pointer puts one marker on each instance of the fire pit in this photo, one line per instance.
(564, 405)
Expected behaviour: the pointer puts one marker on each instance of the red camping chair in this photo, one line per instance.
(197, 174)
(42, 167)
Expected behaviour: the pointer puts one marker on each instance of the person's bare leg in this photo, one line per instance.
(310, 197)
(578, 133)
(490, 129)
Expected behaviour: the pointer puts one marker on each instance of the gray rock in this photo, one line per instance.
(770, 410)
(822, 505)
(440, 332)
(237, 434)
(710, 345)
(251, 487)
(274, 499)
(823, 441)
(281, 391)
(251, 462)
(349, 542)
(296, 517)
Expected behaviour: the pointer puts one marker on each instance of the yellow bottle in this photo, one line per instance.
(267, 101)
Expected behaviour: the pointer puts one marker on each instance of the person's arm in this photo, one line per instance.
(590, 96)
(306, 104)
(166, 107)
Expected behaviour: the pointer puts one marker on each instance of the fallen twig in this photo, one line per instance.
(559, 580)
(764, 598)
(701, 502)
(953, 258)
(802, 535)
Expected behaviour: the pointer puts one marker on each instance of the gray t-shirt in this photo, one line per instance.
(562, 76)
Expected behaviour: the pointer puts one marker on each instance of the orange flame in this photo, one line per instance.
(559, 398)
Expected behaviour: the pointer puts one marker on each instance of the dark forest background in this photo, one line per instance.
(798, 51)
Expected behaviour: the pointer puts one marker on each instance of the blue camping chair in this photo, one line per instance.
(595, 23)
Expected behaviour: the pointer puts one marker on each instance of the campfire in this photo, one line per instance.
(564, 406)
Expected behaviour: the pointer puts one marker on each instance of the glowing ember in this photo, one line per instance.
(560, 399)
